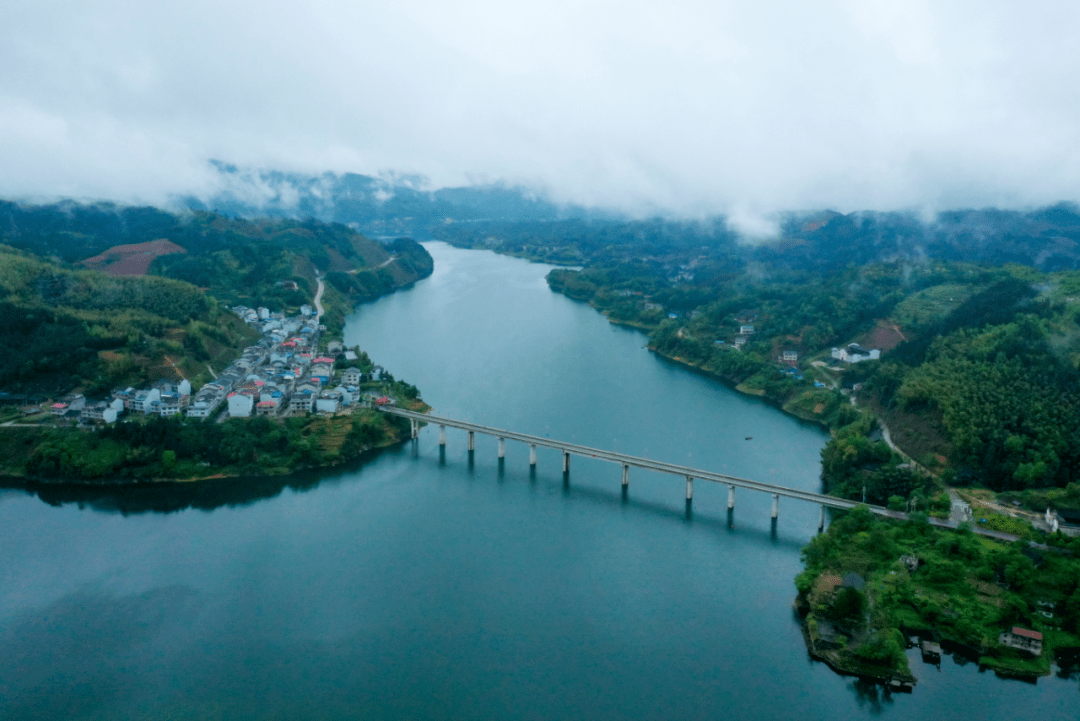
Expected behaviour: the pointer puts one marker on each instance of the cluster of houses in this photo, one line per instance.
(265, 321)
(283, 374)
(746, 330)
(166, 397)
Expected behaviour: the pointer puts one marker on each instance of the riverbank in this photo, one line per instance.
(870, 585)
(792, 405)
(737, 387)
(181, 450)
(847, 663)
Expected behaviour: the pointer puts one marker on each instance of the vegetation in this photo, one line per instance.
(67, 329)
(980, 368)
(261, 262)
(180, 448)
(71, 329)
(965, 590)
(979, 384)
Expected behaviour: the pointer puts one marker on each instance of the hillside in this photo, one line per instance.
(134, 259)
(262, 262)
(67, 329)
(977, 376)
(1047, 239)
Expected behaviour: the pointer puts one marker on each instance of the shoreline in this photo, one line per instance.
(331, 428)
(727, 382)
(891, 680)
(27, 482)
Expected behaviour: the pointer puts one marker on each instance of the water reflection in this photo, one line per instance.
(870, 696)
(167, 497)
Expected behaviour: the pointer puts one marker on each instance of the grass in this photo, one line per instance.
(932, 304)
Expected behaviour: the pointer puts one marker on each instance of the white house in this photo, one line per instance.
(169, 405)
(746, 330)
(301, 401)
(240, 405)
(328, 402)
(1022, 639)
(106, 412)
(143, 399)
(790, 356)
(180, 387)
(855, 353)
(351, 377)
(266, 408)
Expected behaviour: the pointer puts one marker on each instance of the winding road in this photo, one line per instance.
(318, 297)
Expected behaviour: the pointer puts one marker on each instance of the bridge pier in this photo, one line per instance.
(418, 420)
(689, 488)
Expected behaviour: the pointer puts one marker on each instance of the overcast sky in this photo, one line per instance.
(683, 107)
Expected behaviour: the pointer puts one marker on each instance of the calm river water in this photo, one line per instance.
(421, 585)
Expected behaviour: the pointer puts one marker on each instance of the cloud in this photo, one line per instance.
(692, 108)
(751, 226)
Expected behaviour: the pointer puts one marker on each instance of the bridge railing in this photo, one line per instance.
(635, 461)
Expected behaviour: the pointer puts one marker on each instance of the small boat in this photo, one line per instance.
(749, 438)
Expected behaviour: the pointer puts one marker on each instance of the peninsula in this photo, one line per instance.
(128, 373)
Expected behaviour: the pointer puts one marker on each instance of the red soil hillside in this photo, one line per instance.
(885, 336)
(131, 259)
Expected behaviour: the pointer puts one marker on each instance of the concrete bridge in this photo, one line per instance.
(627, 462)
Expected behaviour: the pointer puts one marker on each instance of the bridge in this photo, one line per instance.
(627, 462)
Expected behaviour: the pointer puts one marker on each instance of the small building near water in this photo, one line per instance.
(1023, 640)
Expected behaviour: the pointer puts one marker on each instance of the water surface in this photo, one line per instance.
(426, 585)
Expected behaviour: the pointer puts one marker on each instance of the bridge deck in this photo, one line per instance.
(635, 461)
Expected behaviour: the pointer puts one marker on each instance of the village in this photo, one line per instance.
(283, 375)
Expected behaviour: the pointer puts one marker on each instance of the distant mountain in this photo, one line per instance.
(1046, 238)
(382, 207)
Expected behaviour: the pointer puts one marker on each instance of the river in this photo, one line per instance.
(421, 584)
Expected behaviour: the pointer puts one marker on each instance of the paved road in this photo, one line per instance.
(318, 297)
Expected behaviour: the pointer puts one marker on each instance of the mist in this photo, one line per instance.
(694, 109)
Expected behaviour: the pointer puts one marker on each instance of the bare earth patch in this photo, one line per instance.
(132, 259)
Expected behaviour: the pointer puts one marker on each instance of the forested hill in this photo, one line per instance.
(977, 378)
(1047, 239)
(271, 262)
(391, 205)
(64, 329)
